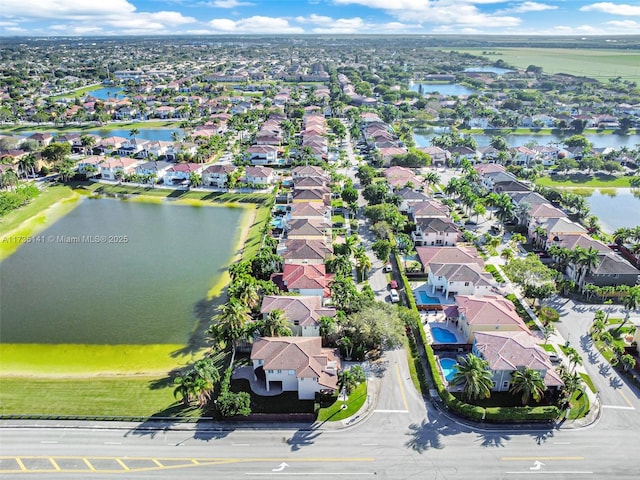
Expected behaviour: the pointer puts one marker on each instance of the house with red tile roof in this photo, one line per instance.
(302, 312)
(304, 280)
(490, 313)
(428, 255)
(507, 352)
(116, 168)
(297, 364)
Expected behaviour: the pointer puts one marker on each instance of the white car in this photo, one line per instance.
(395, 298)
(388, 267)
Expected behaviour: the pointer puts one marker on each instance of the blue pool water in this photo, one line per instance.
(426, 299)
(277, 222)
(448, 368)
(442, 335)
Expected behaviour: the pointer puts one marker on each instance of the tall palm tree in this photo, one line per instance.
(586, 260)
(133, 132)
(431, 178)
(245, 288)
(631, 302)
(572, 382)
(363, 262)
(87, 141)
(574, 358)
(528, 383)
(195, 180)
(275, 324)
(230, 324)
(184, 388)
(473, 372)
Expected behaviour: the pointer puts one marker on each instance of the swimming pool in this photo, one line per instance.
(448, 366)
(442, 335)
(426, 299)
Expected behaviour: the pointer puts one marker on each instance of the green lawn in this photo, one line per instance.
(335, 413)
(594, 63)
(579, 406)
(587, 380)
(114, 396)
(548, 347)
(582, 180)
(89, 127)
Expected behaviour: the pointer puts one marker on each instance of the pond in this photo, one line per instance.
(615, 207)
(164, 134)
(106, 92)
(449, 89)
(148, 286)
(496, 70)
(423, 138)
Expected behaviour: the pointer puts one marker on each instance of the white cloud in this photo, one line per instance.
(325, 24)
(626, 24)
(530, 7)
(65, 8)
(120, 15)
(462, 13)
(612, 8)
(256, 24)
(228, 4)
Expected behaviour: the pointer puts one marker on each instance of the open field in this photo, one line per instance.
(581, 180)
(594, 63)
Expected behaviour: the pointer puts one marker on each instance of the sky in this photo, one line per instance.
(224, 17)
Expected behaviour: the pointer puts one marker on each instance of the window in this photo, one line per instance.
(278, 371)
(260, 362)
(505, 385)
(296, 322)
(466, 284)
(292, 372)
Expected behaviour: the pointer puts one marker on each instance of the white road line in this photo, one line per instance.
(549, 472)
(391, 411)
(112, 443)
(562, 443)
(300, 474)
(618, 407)
(48, 441)
(369, 444)
(239, 444)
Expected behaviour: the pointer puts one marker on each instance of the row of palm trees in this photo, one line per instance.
(600, 332)
(474, 374)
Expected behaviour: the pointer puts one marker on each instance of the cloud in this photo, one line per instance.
(255, 24)
(86, 16)
(625, 24)
(462, 13)
(65, 8)
(612, 8)
(228, 4)
(527, 7)
(325, 24)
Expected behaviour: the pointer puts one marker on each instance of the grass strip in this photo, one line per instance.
(354, 402)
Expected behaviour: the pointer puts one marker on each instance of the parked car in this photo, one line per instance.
(395, 298)
(555, 359)
(393, 285)
(388, 268)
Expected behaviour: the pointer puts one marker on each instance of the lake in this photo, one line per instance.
(615, 207)
(449, 89)
(106, 92)
(164, 134)
(496, 70)
(145, 290)
(423, 139)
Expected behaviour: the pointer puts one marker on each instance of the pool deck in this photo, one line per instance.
(437, 319)
(423, 287)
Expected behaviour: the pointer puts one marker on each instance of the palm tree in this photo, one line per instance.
(195, 180)
(572, 382)
(363, 265)
(184, 388)
(585, 260)
(87, 141)
(574, 357)
(133, 132)
(9, 179)
(431, 178)
(529, 383)
(628, 362)
(275, 325)
(540, 235)
(230, 324)
(245, 288)
(630, 301)
(474, 373)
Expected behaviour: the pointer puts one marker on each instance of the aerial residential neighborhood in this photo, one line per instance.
(381, 237)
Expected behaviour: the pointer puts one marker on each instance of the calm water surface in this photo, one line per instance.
(144, 291)
(106, 92)
(616, 208)
(423, 139)
(165, 134)
(452, 89)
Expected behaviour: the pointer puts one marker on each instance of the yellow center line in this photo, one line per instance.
(88, 464)
(404, 396)
(157, 463)
(195, 462)
(20, 464)
(509, 459)
(626, 399)
(55, 465)
(122, 464)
